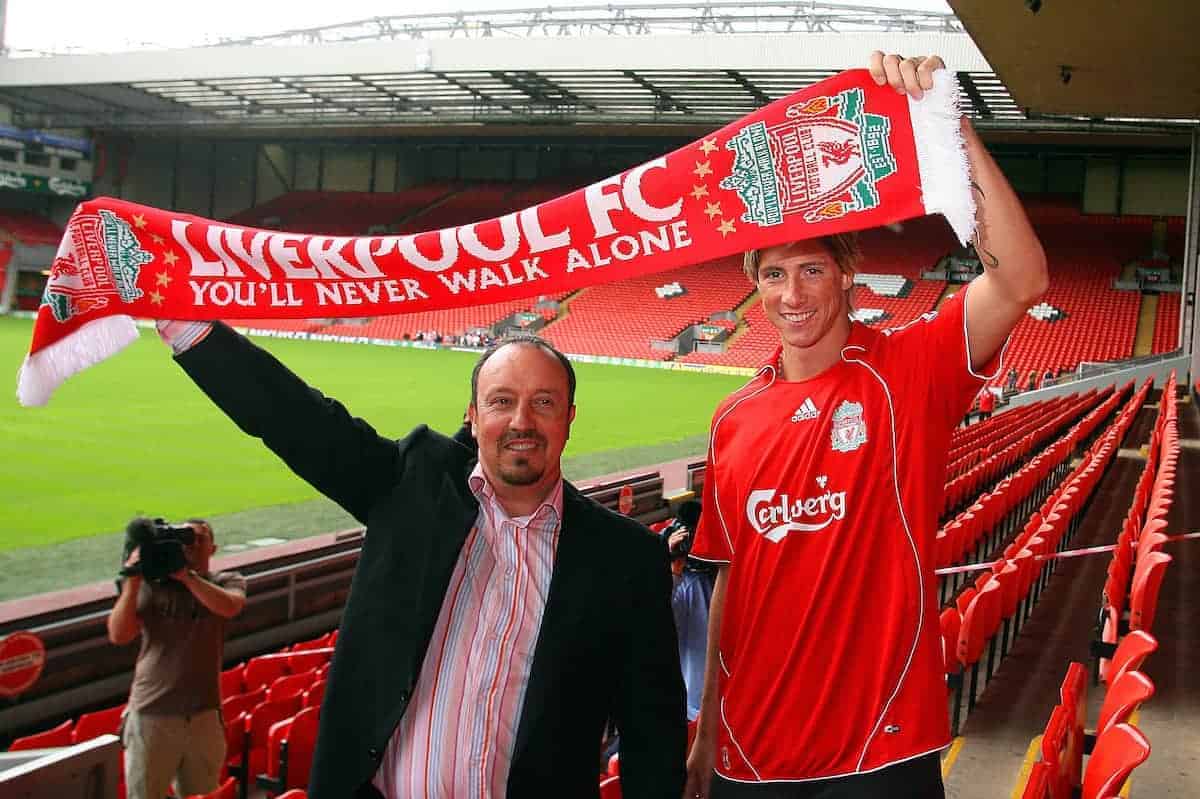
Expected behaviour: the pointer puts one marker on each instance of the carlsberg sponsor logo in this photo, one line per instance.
(774, 515)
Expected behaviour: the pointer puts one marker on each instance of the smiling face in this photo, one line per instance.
(522, 418)
(804, 295)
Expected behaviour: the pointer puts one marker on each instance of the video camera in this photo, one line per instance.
(687, 516)
(161, 548)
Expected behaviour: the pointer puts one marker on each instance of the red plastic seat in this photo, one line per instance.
(1118, 752)
(227, 790)
(101, 722)
(291, 685)
(1073, 695)
(258, 725)
(1124, 696)
(1054, 743)
(238, 704)
(963, 600)
(1038, 785)
(314, 695)
(951, 624)
(263, 671)
(231, 681)
(610, 788)
(46, 739)
(1131, 653)
(1143, 594)
(290, 747)
(304, 660)
(294, 793)
(614, 765)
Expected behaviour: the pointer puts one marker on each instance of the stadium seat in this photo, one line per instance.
(290, 746)
(1054, 744)
(1073, 696)
(314, 695)
(1143, 594)
(47, 739)
(1130, 655)
(1123, 697)
(238, 704)
(291, 685)
(1038, 784)
(263, 671)
(610, 788)
(257, 725)
(231, 680)
(227, 790)
(1118, 752)
(102, 722)
(951, 623)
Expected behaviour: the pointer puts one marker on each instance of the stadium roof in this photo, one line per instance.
(571, 68)
(1094, 60)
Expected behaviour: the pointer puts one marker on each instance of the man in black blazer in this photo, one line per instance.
(606, 645)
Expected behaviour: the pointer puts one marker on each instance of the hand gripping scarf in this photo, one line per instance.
(843, 154)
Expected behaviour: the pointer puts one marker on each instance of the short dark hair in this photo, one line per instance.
(205, 524)
(529, 340)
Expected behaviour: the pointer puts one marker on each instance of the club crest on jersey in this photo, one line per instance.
(849, 431)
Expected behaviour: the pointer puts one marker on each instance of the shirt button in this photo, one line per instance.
(403, 697)
(375, 754)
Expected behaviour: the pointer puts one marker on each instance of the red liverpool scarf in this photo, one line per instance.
(843, 154)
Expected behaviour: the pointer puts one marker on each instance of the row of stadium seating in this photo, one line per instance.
(1166, 324)
(989, 612)
(1128, 604)
(28, 228)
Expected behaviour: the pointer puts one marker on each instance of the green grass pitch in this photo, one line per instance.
(133, 435)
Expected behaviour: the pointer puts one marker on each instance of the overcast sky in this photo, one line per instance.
(127, 24)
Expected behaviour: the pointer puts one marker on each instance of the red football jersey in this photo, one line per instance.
(822, 495)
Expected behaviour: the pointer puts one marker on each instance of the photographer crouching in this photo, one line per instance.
(172, 728)
(689, 600)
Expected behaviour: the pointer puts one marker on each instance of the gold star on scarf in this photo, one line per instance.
(159, 240)
(156, 298)
(139, 221)
(162, 279)
(699, 191)
(702, 169)
(170, 258)
(708, 145)
(712, 209)
(726, 227)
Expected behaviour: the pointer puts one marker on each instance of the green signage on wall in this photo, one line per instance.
(40, 184)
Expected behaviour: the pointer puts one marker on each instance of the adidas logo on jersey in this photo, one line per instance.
(807, 411)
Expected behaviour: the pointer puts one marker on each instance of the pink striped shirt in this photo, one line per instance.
(456, 737)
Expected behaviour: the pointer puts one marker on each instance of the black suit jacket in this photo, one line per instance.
(607, 645)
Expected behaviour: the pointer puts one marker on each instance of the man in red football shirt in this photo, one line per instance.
(825, 476)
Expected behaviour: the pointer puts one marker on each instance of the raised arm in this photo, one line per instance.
(123, 622)
(1014, 276)
(341, 456)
